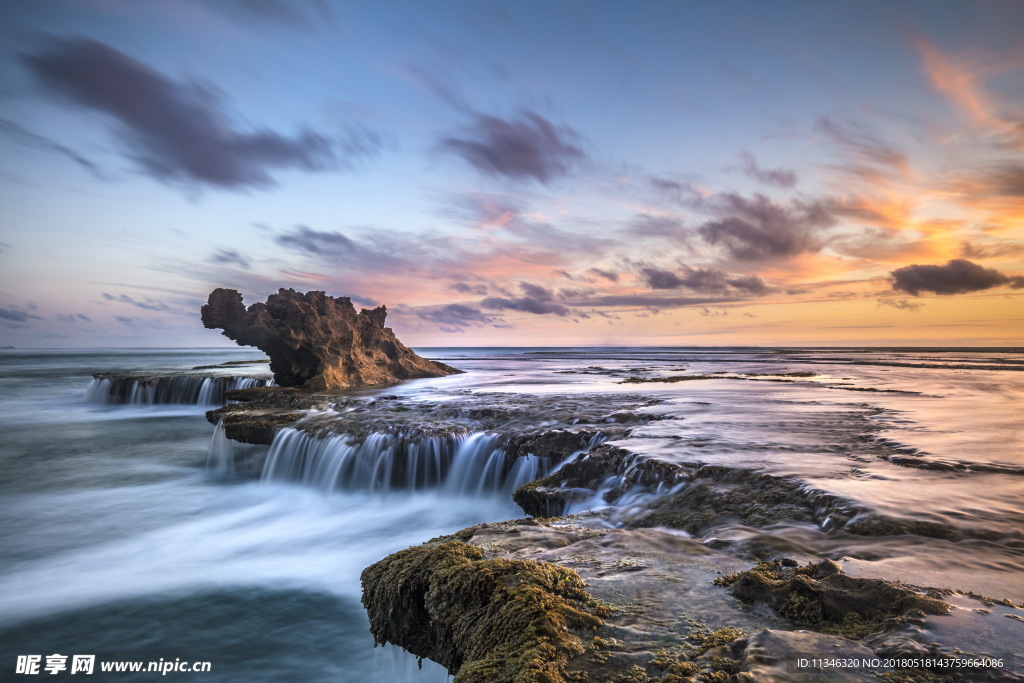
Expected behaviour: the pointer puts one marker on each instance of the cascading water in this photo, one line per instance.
(473, 464)
(172, 390)
(227, 458)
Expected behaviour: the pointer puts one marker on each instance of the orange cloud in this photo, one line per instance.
(960, 79)
(956, 78)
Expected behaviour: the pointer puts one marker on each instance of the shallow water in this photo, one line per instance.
(116, 540)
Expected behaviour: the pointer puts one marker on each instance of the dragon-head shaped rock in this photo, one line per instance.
(317, 341)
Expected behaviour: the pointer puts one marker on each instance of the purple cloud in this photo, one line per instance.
(175, 131)
(527, 147)
(759, 229)
(959, 276)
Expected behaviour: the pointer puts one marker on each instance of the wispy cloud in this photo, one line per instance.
(26, 138)
(777, 177)
(900, 304)
(176, 131)
(458, 317)
(537, 300)
(974, 250)
(308, 15)
(526, 147)
(228, 257)
(17, 315)
(148, 305)
(865, 147)
(959, 78)
(73, 317)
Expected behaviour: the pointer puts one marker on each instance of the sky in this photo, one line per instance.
(517, 174)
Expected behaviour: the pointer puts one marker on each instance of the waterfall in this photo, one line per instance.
(227, 458)
(220, 459)
(180, 389)
(473, 464)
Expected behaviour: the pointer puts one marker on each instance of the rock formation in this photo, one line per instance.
(317, 341)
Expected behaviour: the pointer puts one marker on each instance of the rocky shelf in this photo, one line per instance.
(571, 600)
(635, 586)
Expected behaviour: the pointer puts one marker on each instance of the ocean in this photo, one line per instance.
(125, 533)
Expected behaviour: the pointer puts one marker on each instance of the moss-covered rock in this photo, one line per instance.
(485, 620)
(820, 596)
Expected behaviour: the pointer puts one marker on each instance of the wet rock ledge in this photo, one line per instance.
(562, 600)
(636, 592)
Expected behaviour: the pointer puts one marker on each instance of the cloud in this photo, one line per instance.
(956, 277)
(649, 301)
(901, 304)
(537, 300)
(759, 229)
(957, 80)
(779, 177)
(661, 279)
(609, 275)
(73, 317)
(675, 191)
(175, 131)
(510, 219)
(29, 139)
(228, 256)
(17, 315)
(371, 253)
(278, 12)
(749, 283)
(148, 304)
(528, 147)
(865, 146)
(1003, 180)
(125, 321)
(969, 250)
(317, 242)
(479, 290)
(708, 280)
(457, 317)
(441, 83)
(883, 244)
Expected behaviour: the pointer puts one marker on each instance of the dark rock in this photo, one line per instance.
(251, 426)
(318, 341)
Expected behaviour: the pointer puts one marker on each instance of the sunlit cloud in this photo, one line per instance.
(959, 79)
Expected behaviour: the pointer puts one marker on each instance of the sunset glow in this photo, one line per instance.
(574, 173)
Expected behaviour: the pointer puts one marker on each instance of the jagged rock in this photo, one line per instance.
(317, 341)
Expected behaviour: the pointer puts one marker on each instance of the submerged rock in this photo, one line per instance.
(318, 341)
(821, 596)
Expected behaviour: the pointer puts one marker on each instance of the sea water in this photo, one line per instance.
(119, 539)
